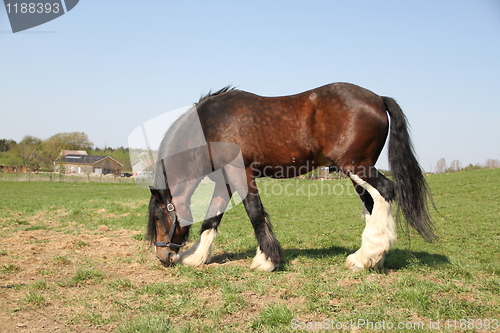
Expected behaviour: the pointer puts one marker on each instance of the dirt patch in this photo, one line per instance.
(35, 264)
(70, 279)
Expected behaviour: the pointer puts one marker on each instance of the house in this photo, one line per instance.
(79, 163)
(141, 167)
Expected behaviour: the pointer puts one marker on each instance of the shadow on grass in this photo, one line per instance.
(287, 254)
(290, 254)
(399, 259)
(230, 256)
(395, 259)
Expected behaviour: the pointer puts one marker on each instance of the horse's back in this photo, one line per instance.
(327, 120)
(332, 100)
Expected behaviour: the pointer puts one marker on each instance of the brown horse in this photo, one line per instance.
(234, 137)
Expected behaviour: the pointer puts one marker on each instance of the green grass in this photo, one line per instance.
(34, 298)
(26, 206)
(62, 260)
(317, 223)
(121, 284)
(86, 275)
(274, 316)
(150, 323)
(9, 269)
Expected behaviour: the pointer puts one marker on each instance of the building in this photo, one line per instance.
(81, 163)
(141, 167)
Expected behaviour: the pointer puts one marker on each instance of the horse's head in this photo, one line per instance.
(164, 230)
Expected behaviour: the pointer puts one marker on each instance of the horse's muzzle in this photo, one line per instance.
(166, 255)
(166, 262)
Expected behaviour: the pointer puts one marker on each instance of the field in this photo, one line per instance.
(73, 259)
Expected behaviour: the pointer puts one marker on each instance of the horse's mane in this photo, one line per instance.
(172, 140)
(213, 94)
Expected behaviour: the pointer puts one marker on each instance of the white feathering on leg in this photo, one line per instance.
(201, 252)
(262, 263)
(378, 235)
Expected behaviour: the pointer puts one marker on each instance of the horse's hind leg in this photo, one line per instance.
(201, 252)
(268, 250)
(376, 193)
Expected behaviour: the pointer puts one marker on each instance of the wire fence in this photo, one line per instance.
(67, 178)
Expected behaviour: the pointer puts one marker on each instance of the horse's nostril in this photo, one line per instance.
(168, 260)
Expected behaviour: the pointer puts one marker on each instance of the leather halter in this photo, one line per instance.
(171, 210)
(175, 220)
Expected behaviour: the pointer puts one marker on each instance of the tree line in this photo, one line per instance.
(455, 165)
(44, 154)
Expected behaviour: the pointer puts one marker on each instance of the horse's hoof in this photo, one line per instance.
(262, 263)
(353, 263)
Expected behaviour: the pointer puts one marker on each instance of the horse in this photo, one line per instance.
(235, 137)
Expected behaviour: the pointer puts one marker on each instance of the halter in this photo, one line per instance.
(171, 210)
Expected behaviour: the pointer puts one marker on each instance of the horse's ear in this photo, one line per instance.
(155, 193)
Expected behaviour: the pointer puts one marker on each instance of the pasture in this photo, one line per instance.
(73, 259)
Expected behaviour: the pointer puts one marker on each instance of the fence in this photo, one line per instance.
(56, 177)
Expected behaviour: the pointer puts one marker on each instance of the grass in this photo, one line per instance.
(61, 260)
(274, 316)
(150, 323)
(9, 269)
(34, 299)
(86, 275)
(27, 206)
(318, 225)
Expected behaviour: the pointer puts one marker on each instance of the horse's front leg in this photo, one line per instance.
(201, 252)
(269, 250)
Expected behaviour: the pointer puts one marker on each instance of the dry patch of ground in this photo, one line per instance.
(71, 279)
(49, 279)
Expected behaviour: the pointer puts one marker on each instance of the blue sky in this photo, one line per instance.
(107, 66)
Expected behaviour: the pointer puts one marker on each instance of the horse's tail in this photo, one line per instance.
(412, 191)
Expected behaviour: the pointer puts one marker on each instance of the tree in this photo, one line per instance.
(6, 145)
(27, 150)
(492, 163)
(87, 169)
(455, 166)
(51, 148)
(440, 166)
(71, 141)
(49, 153)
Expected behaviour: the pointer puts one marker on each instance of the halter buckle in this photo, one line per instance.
(170, 207)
